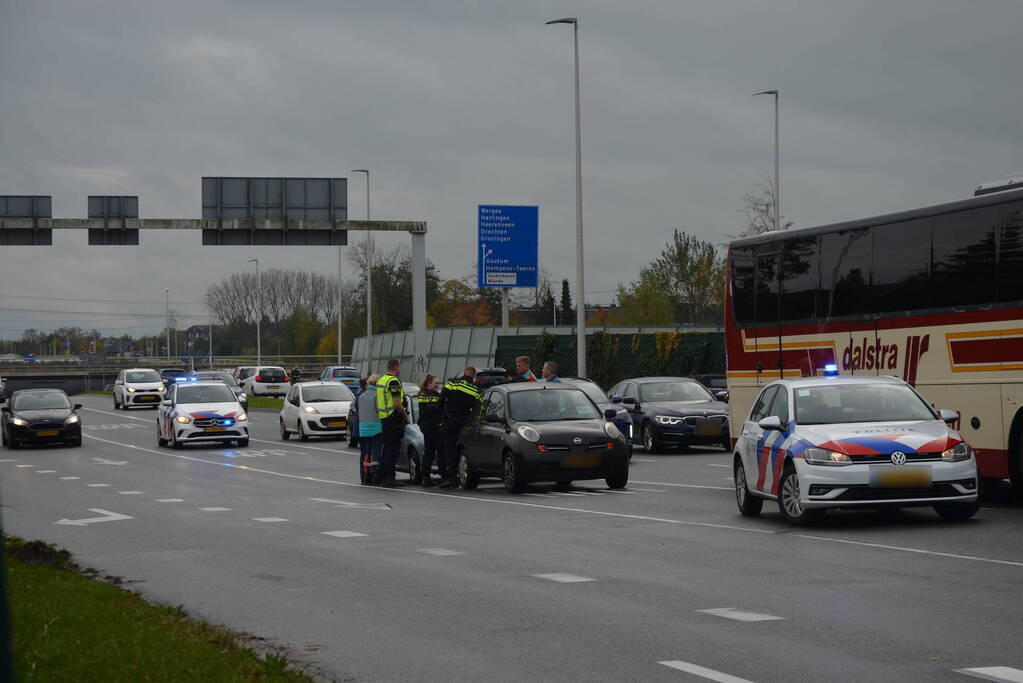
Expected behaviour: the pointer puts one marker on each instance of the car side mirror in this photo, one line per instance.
(5, 409)
(721, 396)
(610, 413)
(771, 422)
(616, 399)
(493, 418)
(629, 401)
(167, 402)
(949, 416)
(78, 406)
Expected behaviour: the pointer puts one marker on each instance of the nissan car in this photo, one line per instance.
(201, 412)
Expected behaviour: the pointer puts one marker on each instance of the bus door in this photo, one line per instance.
(768, 330)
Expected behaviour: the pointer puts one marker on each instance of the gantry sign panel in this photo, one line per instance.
(240, 204)
(32, 207)
(113, 210)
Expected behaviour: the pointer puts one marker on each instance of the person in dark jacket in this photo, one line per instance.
(430, 420)
(460, 401)
(296, 375)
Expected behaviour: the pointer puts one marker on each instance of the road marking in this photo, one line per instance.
(933, 553)
(343, 534)
(270, 519)
(685, 486)
(440, 552)
(69, 478)
(170, 500)
(45, 471)
(644, 460)
(9, 460)
(738, 614)
(104, 461)
(563, 578)
(26, 465)
(346, 504)
(1004, 674)
(97, 486)
(131, 493)
(646, 490)
(214, 509)
(703, 672)
(714, 464)
(128, 417)
(107, 517)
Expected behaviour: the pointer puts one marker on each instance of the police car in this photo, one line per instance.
(195, 411)
(827, 442)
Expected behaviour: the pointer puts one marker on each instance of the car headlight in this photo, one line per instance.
(611, 430)
(822, 456)
(528, 433)
(183, 419)
(310, 409)
(669, 419)
(242, 396)
(160, 389)
(19, 422)
(132, 390)
(242, 417)
(957, 453)
(71, 420)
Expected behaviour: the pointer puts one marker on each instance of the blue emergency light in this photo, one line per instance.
(831, 370)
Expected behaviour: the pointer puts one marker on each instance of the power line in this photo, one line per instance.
(126, 315)
(98, 301)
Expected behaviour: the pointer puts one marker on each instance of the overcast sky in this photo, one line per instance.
(885, 105)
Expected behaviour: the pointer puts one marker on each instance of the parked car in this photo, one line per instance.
(268, 380)
(316, 409)
(542, 432)
(228, 379)
(622, 419)
(345, 374)
(716, 384)
(242, 372)
(488, 377)
(673, 411)
(138, 387)
(40, 416)
(198, 412)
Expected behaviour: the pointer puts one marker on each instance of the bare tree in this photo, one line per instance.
(759, 211)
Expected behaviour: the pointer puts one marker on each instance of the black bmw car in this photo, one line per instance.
(531, 432)
(673, 411)
(40, 416)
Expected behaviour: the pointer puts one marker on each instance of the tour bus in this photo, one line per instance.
(933, 295)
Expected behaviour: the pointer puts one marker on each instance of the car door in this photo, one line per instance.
(492, 435)
(119, 387)
(776, 456)
(166, 411)
(752, 433)
(292, 406)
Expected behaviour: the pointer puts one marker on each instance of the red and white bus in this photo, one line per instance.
(934, 296)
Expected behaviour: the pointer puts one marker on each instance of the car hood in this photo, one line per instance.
(881, 438)
(201, 410)
(332, 408)
(143, 385)
(564, 433)
(681, 408)
(33, 415)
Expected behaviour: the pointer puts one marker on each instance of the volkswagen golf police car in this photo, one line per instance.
(827, 442)
(196, 412)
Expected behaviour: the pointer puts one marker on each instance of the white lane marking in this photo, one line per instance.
(563, 578)
(343, 534)
(646, 490)
(9, 460)
(97, 486)
(684, 486)
(728, 478)
(214, 509)
(45, 471)
(920, 551)
(1004, 674)
(270, 519)
(346, 504)
(131, 493)
(107, 516)
(452, 496)
(335, 451)
(714, 464)
(104, 461)
(644, 460)
(738, 614)
(26, 465)
(129, 417)
(69, 478)
(170, 500)
(440, 552)
(703, 672)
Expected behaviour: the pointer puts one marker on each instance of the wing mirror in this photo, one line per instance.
(721, 396)
(167, 402)
(78, 406)
(629, 401)
(771, 422)
(616, 399)
(610, 413)
(5, 409)
(949, 416)
(493, 418)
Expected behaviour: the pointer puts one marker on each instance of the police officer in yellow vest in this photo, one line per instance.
(460, 400)
(393, 418)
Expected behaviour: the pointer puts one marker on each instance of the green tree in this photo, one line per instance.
(302, 332)
(691, 272)
(566, 302)
(643, 303)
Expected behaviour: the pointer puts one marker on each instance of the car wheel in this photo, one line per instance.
(175, 444)
(415, 471)
(160, 441)
(302, 436)
(242, 443)
(468, 478)
(749, 505)
(75, 443)
(511, 474)
(117, 406)
(618, 480)
(649, 438)
(957, 512)
(789, 504)
(562, 485)
(285, 434)
(353, 439)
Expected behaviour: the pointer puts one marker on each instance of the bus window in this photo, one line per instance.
(767, 287)
(800, 274)
(742, 285)
(845, 274)
(1010, 254)
(963, 261)
(902, 265)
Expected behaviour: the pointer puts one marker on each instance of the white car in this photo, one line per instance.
(268, 380)
(200, 412)
(828, 442)
(243, 371)
(138, 387)
(316, 409)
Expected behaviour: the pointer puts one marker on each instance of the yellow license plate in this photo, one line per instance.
(216, 429)
(274, 386)
(147, 398)
(901, 477)
(336, 423)
(586, 461)
(708, 428)
(49, 432)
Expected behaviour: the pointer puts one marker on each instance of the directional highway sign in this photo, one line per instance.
(507, 246)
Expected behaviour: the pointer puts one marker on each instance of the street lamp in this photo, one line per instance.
(580, 318)
(259, 313)
(777, 179)
(167, 294)
(369, 279)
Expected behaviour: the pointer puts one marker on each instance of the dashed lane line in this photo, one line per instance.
(45, 471)
(69, 478)
(131, 493)
(97, 486)
(170, 500)
(24, 466)
(270, 520)
(343, 534)
(684, 486)
(739, 615)
(563, 578)
(715, 464)
(215, 509)
(703, 672)
(440, 552)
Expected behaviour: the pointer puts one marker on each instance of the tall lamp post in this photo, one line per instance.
(166, 293)
(259, 313)
(369, 279)
(777, 178)
(580, 317)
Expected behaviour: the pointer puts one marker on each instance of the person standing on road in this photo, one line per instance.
(460, 401)
(430, 420)
(522, 368)
(549, 372)
(393, 418)
(369, 431)
(296, 375)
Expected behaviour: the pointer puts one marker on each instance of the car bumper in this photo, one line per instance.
(325, 424)
(151, 398)
(687, 434)
(47, 433)
(187, 434)
(878, 484)
(280, 389)
(575, 464)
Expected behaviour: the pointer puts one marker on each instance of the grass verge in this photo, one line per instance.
(70, 626)
(267, 402)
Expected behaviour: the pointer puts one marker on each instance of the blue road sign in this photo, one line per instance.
(507, 246)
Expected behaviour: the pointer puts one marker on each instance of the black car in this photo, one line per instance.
(530, 432)
(228, 379)
(40, 416)
(717, 384)
(167, 375)
(673, 411)
(488, 377)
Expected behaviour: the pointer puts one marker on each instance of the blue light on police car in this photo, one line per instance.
(830, 370)
(227, 421)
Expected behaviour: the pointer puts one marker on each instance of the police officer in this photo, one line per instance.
(393, 418)
(430, 420)
(460, 400)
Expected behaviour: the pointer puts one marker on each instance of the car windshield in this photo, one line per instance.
(326, 393)
(844, 403)
(346, 372)
(545, 405)
(171, 372)
(591, 390)
(224, 377)
(271, 374)
(142, 376)
(686, 392)
(208, 393)
(41, 401)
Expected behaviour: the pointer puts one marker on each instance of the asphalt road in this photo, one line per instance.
(661, 582)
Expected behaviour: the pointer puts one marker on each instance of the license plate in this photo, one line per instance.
(216, 429)
(49, 432)
(273, 386)
(900, 477)
(147, 398)
(336, 423)
(582, 461)
(708, 428)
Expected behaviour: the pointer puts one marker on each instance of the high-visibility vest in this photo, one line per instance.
(424, 398)
(465, 387)
(385, 402)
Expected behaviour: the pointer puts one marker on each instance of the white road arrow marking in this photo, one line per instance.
(703, 672)
(108, 516)
(739, 615)
(346, 504)
(104, 461)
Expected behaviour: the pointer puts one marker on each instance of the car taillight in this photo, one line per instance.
(286, 379)
(259, 378)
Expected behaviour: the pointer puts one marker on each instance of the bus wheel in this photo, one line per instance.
(1016, 457)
